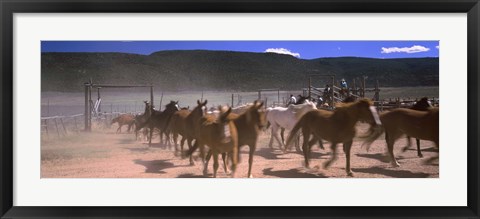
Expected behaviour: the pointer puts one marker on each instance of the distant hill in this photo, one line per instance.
(224, 70)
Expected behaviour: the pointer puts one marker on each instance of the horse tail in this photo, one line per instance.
(294, 131)
(372, 134)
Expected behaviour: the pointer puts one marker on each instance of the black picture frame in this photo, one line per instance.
(9, 7)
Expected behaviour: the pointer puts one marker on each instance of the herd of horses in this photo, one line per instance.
(223, 130)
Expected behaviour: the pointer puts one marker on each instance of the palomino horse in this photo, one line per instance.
(220, 135)
(142, 118)
(184, 123)
(124, 119)
(286, 117)
(249, 125)
(160, 121)
(422, 105)
(337, 126)
(418, 124)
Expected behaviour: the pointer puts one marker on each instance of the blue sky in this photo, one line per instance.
(299, 49)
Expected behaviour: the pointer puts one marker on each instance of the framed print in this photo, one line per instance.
(316, 109)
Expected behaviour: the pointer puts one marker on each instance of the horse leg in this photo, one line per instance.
(215, 164)
(282, 134)
(250, 159)
(207, 159)
(409, 144)
(189, 143)
(306, 147)
(119, 130)
(390, 143)
(175, 144)
(150, 139)
(297, 143)
(272, 135)
(347, 146)
(334, 156)
(419, 152)
(224, 156)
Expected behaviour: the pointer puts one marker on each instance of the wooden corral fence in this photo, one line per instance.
(265, 100)
(92, 108)
(335, 93)
(393, 103)
(64, 125)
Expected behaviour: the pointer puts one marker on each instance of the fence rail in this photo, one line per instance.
(59, 126)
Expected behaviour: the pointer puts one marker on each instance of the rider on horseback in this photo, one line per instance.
(293, 100)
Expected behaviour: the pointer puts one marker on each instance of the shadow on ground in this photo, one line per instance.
(391, 172)
(155, 166)
(270, 154)
(292, 173)
(378, 156)
(189, 175)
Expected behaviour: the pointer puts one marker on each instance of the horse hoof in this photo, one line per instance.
(350, 173)
(251, 176)
(420, 155)
(192, 163)
(395, 164)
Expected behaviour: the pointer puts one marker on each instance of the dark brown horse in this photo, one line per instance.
(124, 119)
(142, 118)
(337, 126)
(160, 120)
(418, 124)
(220, 135)
(422, 105)
(184, 123)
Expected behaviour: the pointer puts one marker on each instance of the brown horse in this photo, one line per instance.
(124, 119)
(184, 123)
(418, 124)
(422, 105)
(142, 118)
(220, 135)
(337, 126)
(249, 125)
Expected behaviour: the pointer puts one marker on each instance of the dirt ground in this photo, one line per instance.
(105, 154)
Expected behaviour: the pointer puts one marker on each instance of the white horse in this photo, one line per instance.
(286, 118)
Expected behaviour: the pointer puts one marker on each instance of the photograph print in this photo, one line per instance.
(240, 109)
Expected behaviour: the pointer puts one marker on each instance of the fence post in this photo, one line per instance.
(56, 126)
(309, 86)
(87, 107)
(151, 95)
(75, 120)
(63, 125)
(161, 100)
(232, 101)
(46, 126)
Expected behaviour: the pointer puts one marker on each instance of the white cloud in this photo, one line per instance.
(413, 49)
(438, 47)
(283, 51)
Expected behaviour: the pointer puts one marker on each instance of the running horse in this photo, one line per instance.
(422, 105)
(124, 119)
(184, 123)
(286, 118)
(220, 135)
(160, 120)
(418, 124)
(248, 124)
(337, 126)
(142, 118)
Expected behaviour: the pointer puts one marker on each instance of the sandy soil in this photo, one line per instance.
(104, 154)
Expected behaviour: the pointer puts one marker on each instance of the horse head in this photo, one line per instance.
(199, 109)
(256, 114)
